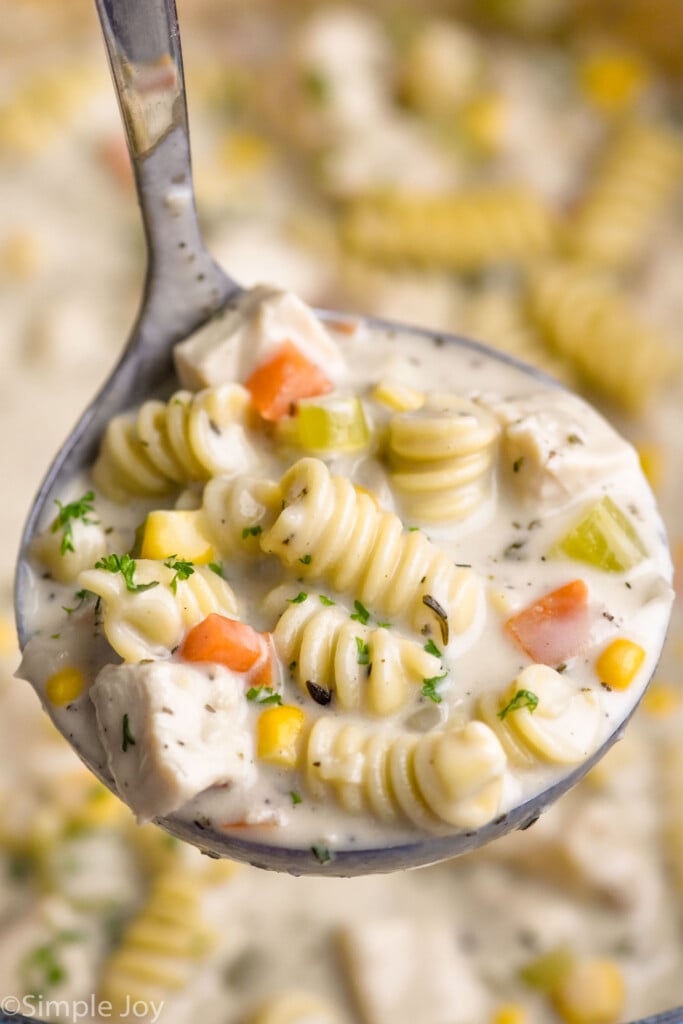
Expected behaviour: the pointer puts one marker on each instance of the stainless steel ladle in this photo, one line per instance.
(183, 288)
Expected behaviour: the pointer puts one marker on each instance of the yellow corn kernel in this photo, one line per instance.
(591, 993)
(65, 686)
(399, 397)
(483, 122)
(510, 1013)
(177, 532)
(619, 663)
(245, 152)
(661, 700)
(652, 463)
(278, 734)
(613, 81)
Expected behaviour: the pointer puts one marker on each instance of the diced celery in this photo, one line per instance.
(605, 538)
(334, 424)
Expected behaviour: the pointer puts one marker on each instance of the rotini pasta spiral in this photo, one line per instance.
(167, 444)
(88, 543)
(584, 318)
(630, 191)
(162, 947)
(463, 231)
(369, 669)
(329, 530)
(442, 456)
(452, 776)
(151, 622)
(562, 728)
(237, 510)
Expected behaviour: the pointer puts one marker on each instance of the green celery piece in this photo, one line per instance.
(548, 970)
(605, 538)
(335, 424)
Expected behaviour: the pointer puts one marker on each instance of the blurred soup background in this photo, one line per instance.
(506, 169)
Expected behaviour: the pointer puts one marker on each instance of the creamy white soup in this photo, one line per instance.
(344, 586)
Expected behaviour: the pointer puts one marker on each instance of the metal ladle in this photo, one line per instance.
(183, 288)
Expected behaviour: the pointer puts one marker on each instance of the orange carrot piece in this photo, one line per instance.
(555, 627)
(283, 380)
(224, 641)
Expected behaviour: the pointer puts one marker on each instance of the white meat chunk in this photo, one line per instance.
(235, 342)
(405, 971)
(171, 730)
(556, 447)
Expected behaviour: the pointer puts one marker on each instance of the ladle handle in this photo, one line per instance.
(184, 285)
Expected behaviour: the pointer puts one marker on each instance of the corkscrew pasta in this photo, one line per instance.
(453, 776)
(441, 457)
(167, 444)
(336, 533)
(463, 231)
(632, 188)
(151, 620)
(586, 319)
(370, 669)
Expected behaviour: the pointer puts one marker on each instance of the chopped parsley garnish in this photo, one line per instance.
(325, 600)
(306, 560)
(217, 568)
(263, 695)
(42, 967)
(126, 566)
(299, 599)
(68, 514)
(296, 797)
(316, 85)
(321, 853)
(429, 688)
(361, 614)
(128, 740)
(522, 699)
(183, 571)
(363, 652)
(431, 648)
(251, 531)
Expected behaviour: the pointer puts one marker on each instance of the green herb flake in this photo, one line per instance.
(217, 568)
(363, 652)
(296, 797)
(361, 614)
(315, 85)
(183, 570)
(126, 566)
(327, 601)
(299, 599)
(68, 514)
(429, 688)
(306, 560)
(128, 740)
(321, 853)
(431, 648)
(251, 531)
(522, 699)
(263, 695)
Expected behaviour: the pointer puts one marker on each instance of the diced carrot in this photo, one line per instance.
(278, 384)
(224, 641)
(555, 627)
